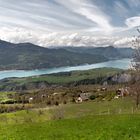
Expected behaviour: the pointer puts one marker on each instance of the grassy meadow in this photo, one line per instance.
(106, 120)
(112, 127)
(103, 118)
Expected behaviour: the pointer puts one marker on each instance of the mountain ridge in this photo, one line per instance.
(27, 56)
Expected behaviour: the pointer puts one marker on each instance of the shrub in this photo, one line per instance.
(28, 119)
(57, 114)
(92, 97)
(65, 102)
(56, 103)
(40, 112)
(49, 102)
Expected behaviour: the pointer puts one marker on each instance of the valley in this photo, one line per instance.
(70, 70)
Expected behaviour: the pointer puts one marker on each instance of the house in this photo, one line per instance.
(122, 92)
(116, 97)
(98, 90)
(30, 99)
(55, 93)
(79, 100)
(83, 97)
(43, 95)
(103, 89)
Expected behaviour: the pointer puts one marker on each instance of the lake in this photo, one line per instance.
(121, 64)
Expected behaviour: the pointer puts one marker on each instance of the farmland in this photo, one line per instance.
(88, 120)
(54, 114)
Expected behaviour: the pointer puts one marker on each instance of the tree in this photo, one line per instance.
(135, 90)
(136, 65)
(136, 57)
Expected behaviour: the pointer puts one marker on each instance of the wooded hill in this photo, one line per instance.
(28, 56)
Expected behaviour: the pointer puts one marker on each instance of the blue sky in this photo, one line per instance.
(69, 22)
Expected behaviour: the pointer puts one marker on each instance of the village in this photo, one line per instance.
(56, 97)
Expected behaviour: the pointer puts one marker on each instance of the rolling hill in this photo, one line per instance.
(28, 56)
(109, 52)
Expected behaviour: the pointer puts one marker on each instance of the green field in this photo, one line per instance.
(64, 78)
(4, 96)
(71, 76)
(94, 76)
(112, 127)
(107, 120)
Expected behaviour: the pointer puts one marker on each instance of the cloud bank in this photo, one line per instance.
(69, 23)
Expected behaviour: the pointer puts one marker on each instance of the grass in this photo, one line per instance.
(85, 121)
(116, 127)
(72, 110)
(4, 95)
(123, 106)
(74, 76)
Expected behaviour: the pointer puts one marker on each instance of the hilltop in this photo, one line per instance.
(28, 56)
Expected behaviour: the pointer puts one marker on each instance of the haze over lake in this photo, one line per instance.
(121, 64)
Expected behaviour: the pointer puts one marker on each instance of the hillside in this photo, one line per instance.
(28, 56)
(110, 52)
(94, 76)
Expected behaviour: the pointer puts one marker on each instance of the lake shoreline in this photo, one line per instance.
(120, 64)
(18, 69)
(9, 69)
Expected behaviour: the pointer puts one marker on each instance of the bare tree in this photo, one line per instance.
(136, 65)
(135, 91)
(136, 57)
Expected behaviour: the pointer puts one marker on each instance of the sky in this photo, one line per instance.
(51, 23)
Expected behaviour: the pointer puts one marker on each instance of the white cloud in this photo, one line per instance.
(124, 42)
(92, 12)
(133, 21)
(66, 22)
(18, 35)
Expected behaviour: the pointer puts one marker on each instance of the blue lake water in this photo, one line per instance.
(122, 64)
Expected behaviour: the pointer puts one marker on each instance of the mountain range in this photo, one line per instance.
(28, 56)
(109, 52)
